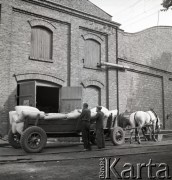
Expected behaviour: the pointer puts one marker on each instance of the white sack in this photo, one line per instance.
(42, 114)
(74, 114)
(55, 116)
(19, 127)
(104, 110)
(33, 114)
(19, 109)
(106, 114)
(28, 111)
(13, 127)
(114, 113)
(13, 116)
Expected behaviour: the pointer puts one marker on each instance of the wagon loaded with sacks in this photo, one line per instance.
(30, 127)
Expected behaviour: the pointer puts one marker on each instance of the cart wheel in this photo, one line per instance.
(14, 139)
(33, 139)
(117, 136)
(93, 138)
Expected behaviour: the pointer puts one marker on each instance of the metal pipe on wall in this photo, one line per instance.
(117, 66)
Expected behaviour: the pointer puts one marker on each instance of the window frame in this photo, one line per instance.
(46, 26)
(50, 59)
(99, 60)
(98, 39)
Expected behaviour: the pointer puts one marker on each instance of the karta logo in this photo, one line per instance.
(108, 169)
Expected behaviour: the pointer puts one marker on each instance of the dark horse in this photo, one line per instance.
(140, 120)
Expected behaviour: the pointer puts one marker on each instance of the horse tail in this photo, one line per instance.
(156, 116)
(136, 124)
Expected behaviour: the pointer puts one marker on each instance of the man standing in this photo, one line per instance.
(85, 124)
(99, 128)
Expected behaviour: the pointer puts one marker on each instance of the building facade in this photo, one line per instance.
(49, 55)
(51, 44)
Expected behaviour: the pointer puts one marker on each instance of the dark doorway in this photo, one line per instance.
(47, 99)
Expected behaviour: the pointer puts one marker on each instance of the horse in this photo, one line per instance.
(140, 120)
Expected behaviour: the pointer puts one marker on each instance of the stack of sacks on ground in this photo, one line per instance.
(18, 117)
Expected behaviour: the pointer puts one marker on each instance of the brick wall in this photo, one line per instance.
(5, 60)
(149, 55)
(151, 47)
(140, 91)
(68, 46)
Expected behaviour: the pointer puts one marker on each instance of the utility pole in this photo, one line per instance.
(158, 18)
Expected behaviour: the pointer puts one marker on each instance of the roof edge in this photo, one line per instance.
(100, 9)
(147, 29)
(67, 9)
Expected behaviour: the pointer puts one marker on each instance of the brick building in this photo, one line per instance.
(148, 83)
(51, 44)
(49, 55)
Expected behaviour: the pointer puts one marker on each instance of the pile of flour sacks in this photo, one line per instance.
(17, 117)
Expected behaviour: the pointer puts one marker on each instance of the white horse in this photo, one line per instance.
(139, 120)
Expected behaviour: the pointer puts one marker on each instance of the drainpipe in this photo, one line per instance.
(117, 78)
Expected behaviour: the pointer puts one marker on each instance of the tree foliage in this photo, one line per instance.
(167, 4)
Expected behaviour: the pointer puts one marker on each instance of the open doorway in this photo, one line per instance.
(47, 99)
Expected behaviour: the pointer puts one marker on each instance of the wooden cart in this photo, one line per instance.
(36, 131)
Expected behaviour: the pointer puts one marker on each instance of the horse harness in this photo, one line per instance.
(151, 120)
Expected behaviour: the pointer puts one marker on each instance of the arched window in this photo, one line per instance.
(92, 53)
(41, 43)
(95, 98)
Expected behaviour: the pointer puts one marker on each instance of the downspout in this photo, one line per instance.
(107, 74)
(69, 58)
(117, 78)
(115, 66)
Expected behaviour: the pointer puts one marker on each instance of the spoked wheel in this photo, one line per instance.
(117, 136)
(14, 139)
(33, 139)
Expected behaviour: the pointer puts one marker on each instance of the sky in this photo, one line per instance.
(136, 15)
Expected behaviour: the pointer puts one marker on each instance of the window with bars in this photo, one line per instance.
(41, 43)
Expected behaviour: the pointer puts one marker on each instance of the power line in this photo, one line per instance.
(134, 4)
(130, 6)
(140, 19)
(158, 18)
(136, 16)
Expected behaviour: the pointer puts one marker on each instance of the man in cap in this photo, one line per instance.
(99, 128)
(85, 126)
